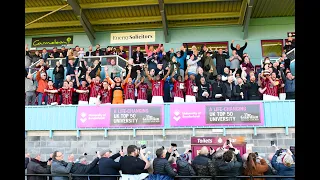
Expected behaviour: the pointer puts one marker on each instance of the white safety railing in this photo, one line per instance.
(292, 54)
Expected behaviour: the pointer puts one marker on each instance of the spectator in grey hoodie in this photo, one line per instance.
(30, 90)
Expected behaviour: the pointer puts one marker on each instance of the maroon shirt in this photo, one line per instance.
(188, 85)
(142, 91)
(129, 91)
(176, 89)
(105, 95)
(83, 96)
(52, 97)
(271, 89)
(66, 95)
(94, 89)
(157, 87)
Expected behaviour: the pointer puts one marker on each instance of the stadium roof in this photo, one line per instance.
(106, 15)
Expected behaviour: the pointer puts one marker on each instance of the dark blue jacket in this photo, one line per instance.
(70, 69)
(107, 166)
(159, 177)
(282, 169)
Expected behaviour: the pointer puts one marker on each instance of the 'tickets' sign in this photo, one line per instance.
(109, 116)
(133, 37)
(51, 41)
(217, 114)
(216, 140)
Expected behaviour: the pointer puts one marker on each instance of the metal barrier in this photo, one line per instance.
(176, 177)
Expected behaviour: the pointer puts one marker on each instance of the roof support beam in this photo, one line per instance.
(247, 18)
(83, 20)
(243, 9)
(128, 3)
(192, 1)
(164, 20)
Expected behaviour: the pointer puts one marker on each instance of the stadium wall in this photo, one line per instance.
(259, 29)
(91, 141)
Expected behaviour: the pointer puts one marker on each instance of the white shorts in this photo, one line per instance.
(190, 98)
(92, 100)
(105, 103)
(142, 101)
(178, 99)
(83, 103)
(157, 100)
(129, 101)
(270, 98)
(54, 103)
(66, 104)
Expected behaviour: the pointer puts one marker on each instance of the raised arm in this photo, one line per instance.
(77, 78)
(146, 48)
(245, 45)
(128, 75)
(231, 45)
(88, 78)
(172, 75)
(186, 74)
(165, 77)
(158, 49)
(147, 73)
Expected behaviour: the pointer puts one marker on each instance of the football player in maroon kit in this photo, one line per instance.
(142, 89)
(157, 86)
(129, 88)
(105, 93)
(52, 98)
(66, 92)
(94, 86)
(83, 97)
(191, 88)
(178, 88)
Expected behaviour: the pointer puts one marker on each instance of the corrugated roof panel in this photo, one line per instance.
(273, 8)
(122, 12)
(203, 7)
(96, 1)
(38, 3)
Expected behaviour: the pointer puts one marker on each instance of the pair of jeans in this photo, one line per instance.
(220, 69)
(58, 83)
(40, 99)
(30, 98)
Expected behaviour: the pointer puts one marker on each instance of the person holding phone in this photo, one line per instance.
(203, 165)
(107, 165)
(254, 168)
(161, 166)
(133, 165)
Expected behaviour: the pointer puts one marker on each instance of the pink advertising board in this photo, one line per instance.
(117, 116)
(217, 114)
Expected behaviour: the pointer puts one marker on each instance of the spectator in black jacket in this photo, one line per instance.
(83, 68)
(26, 160)
(58, 72)
(218, 90)
(95, 69)
(64, 52)
(138, 57)
(134, 69)
(253, 89)
(132, 164)
(90, 52)
(239, 49)
(107, 165)
(98, 52)
(82, 167)
(35, 167)
(161, 165)
(204, 90)
(221, 60)
(231, 164)
(239, 91)
(55, 53)
(203, 165)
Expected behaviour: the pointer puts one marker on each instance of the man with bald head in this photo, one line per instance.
(35, 167)
(203, 165)
(238, 48)
(82, 167)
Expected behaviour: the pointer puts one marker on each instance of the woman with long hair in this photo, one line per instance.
(255, 166)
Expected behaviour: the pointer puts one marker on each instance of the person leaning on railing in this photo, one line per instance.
(35, 166)
(82, 167)
(41, 77)
(59, 166)
(255, 168)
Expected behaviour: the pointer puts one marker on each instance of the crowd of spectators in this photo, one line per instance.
(157, 76)
(138, 164)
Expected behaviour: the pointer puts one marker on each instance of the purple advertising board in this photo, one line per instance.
(117, 116)
(217, 114)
